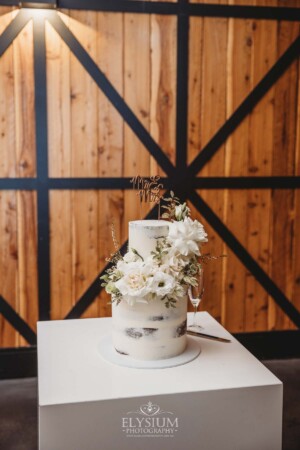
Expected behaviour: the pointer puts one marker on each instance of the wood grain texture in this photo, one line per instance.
(207, 112)
(84, 134)
(8, 162)
(24, 103)
(9, 263)
(163, 86)
(296, 229)
(18, 251)
(110, 59)
(261, 121)
(285, 120)
(88, 138)
(137, 95)
(27, 258)
(236, 159)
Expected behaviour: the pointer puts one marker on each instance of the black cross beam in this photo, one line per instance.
(17, 322)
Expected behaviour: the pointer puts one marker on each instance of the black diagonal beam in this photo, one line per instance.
(111, 93)
(12, 30)
(17, 322)
(42, 166)
(246, 259)
(245, 108)
(91, 293)
(95, 288)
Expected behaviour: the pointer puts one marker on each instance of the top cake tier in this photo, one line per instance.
(143, 235)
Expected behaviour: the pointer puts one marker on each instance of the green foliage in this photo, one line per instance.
(108, 282)
(169, 302)
(137, 253)
(161, 250)
(174, 210)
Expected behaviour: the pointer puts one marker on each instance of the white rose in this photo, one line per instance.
(185, 236)
(134, 280)
(161, 284)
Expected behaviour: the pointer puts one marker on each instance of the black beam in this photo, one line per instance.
(245, 108)
(182, 88)
(9, 3)
(246, 183)
(244, 12)
(96, 183)
(41, 127)
(17, 322)
(126, 6)
(246, 259)
(169, 8)
(16, 184)
(110, 183)
(192, 9)
(12, 30)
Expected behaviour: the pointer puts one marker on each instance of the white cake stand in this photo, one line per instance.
(108, 352)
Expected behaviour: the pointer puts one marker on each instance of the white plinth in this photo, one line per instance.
(224, 399)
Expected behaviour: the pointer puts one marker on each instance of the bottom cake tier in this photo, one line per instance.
(149, 331)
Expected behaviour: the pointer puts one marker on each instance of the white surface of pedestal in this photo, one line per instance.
(223, 400)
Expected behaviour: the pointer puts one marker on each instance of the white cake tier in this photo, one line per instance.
(149, 330)
(143, 235)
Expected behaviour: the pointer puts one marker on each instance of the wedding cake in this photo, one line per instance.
(149, 284)
(149, 330)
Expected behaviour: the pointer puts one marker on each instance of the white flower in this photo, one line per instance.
(185, 236)
(181, 211)
(161, 284)
(177, 263)
(125, 267)
(134, 282)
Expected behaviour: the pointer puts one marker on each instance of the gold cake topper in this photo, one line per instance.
(148, 189)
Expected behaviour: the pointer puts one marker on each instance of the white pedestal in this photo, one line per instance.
(225, 399)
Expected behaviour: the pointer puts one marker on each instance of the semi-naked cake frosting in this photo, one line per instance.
(149, 330)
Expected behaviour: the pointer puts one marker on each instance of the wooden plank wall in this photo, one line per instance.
(18, 248)
(88, 138)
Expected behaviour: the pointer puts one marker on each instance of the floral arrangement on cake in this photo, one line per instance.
(171, 268)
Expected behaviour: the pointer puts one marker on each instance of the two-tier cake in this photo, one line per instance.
(149, 284)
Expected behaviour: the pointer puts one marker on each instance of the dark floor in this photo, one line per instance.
(18, 408)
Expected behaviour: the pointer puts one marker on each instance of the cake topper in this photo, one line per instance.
(148, 189)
